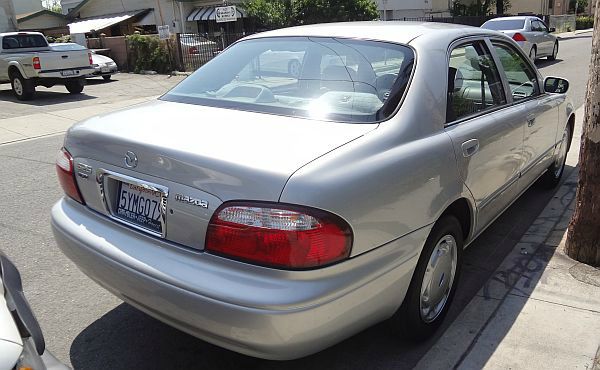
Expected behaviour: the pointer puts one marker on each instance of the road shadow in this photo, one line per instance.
(99, 81)
(126, 338)
(46, 97)
(540, 63)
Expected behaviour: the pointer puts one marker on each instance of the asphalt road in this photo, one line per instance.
(90, 329)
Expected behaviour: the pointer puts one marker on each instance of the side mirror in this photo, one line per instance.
(556, 85)
(552, 29)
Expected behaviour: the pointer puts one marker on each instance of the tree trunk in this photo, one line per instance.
(499, 6)
(583, 237)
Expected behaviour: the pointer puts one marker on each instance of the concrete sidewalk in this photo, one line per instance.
(539, 310)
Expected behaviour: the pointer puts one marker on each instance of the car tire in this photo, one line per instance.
(554, 52)
(22, 88)
(75, 86)
(107, 77)
(533, 53)
(551, 178)
(294, 68)
(439, 263)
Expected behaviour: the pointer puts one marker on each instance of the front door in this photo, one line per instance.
(539, 111)
(487, 134)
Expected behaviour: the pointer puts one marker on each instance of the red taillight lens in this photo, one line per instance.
(66, 175)
(193, 50)
(519, 37)
(90, 58)
(36, 63)
(276, 235)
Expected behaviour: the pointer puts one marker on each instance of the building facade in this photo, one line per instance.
(400, 9)
(8, 19)
(27, 6)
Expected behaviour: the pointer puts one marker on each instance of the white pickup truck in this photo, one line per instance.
(27, 61)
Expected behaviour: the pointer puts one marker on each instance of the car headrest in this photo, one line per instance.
(455, 80)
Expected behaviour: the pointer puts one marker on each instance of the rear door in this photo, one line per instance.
(487, 134)
(538, 111)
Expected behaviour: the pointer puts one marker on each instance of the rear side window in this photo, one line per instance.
(23, 42)
(324, 78)
(474, 84)
(521, 78)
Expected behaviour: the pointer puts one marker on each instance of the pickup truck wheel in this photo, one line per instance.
(107, 77)
(22, 88)
(75, 86)
(434, 281)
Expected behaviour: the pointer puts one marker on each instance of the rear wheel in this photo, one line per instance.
(434, 281)
(554, 52)
(75, 86)
(22, 88)
(107, 77)
(533, 53)
(552, 177)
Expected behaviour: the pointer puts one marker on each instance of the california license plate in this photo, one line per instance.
(67, 73)
(140, 206)
(104, 70)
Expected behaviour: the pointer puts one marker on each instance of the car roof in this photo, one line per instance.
(391, 31)
(20, 34)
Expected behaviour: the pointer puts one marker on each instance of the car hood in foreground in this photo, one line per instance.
(228, 153)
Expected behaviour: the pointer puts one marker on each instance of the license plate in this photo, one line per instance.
(140, 206)
(67, 73)
(104, 70)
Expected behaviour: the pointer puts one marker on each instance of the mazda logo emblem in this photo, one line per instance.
(131, 160)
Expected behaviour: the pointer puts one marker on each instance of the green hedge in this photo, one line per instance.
(584, 22)
(148, 53)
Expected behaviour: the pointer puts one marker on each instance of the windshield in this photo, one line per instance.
(67, 47)
(321, 78)
(505, 24)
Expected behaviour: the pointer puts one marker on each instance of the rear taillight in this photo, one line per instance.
(66, 175)
(519, 37)
(193, 50)
(275, 235)
(36, 63)
(90, 58)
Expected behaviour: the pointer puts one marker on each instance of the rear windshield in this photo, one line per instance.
(505, 24)
(23, 42)
(322, 78)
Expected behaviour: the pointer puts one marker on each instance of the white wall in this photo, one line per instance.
(27, 6)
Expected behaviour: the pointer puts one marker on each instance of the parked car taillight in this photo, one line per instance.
(277, 235)
(90, 58)
(193, 50)
(66, 175)
(36, 63)
(519, 37)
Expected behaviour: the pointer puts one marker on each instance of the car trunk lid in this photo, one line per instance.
(202, 155)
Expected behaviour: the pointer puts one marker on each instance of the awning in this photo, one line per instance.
(208, 13)
(101, 22)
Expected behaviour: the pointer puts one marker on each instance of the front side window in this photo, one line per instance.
(316, 77)
(521, 78)
(474, 84)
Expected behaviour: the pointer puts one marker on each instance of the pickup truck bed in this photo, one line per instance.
(27, 61)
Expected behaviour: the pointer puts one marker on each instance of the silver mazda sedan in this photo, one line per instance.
(277, 213)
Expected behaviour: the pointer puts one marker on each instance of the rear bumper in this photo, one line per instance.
(77, 72)
(257, 311)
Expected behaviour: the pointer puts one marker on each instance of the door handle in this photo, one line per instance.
(470, 147)
(530, 121)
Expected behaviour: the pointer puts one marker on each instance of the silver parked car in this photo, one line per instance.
(531, 33)
(104, 66)
(278, 215)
